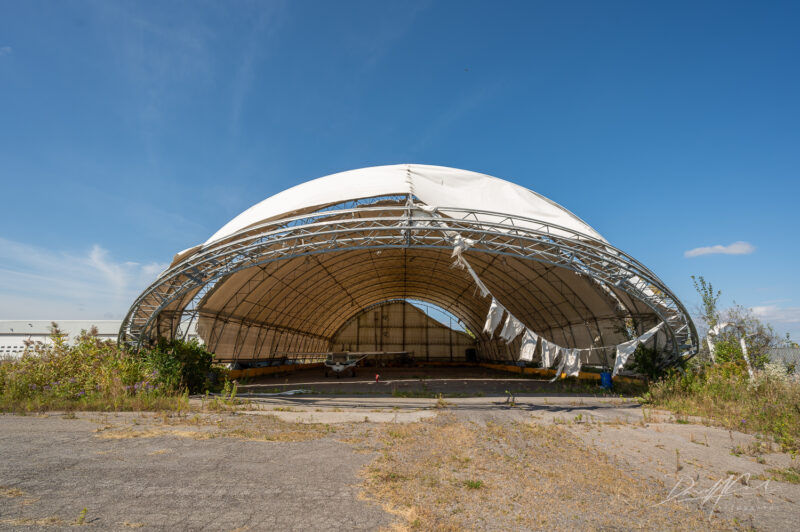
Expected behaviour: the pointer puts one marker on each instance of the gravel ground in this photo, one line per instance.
(235, 471)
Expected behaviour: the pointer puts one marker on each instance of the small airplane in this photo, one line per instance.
(339, 363)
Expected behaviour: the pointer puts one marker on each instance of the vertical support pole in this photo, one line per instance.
(427, 339)
(746, 356)
(450, 334)
(404, 325)
(358, 333)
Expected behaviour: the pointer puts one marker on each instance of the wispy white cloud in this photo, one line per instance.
(5, 50)
(783, 319)
(737, 248)
(40, 283)
(778, 315)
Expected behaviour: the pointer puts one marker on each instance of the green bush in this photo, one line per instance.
(180, 365)
(724, 393)
(646, 361)
(94, 374)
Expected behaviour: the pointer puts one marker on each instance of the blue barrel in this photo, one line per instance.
(605, 380)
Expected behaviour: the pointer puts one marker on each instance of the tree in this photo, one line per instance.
(709, 298)
(759, 336)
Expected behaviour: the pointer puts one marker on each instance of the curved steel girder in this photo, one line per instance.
(355, 282)
(404, 228)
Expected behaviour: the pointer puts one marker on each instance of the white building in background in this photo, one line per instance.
(14, 333)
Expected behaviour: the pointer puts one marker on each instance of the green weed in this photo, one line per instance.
(724, 395)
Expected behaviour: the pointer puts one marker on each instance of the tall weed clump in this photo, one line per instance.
(93, 374)
(181, 365)
(724, 393)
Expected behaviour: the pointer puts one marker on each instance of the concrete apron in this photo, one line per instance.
(344, 409)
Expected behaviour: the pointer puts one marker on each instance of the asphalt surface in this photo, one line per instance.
(136, 470)
(176, 483)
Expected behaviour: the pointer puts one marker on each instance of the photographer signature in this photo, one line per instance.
(686, 491)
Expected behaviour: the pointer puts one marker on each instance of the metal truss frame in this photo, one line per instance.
(397, 222)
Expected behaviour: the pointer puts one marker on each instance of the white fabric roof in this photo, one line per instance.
(434, 185)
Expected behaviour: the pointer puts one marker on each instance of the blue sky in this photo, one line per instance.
(132, 130)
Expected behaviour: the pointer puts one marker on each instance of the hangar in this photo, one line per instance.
(344, 262)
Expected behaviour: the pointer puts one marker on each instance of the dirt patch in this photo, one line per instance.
(480, 463)
(718, 471)
(207, 426)
(452, 474)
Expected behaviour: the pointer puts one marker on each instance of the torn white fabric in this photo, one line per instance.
(563, 353)
(717, 329)
(624, 350)
(549, 353)
(528, 348)
(573, 364)
(493, 317)
(432, 185)
(430, 209)
(711, 349)
(512, 328)
(649, 334)
(461, 244)
(462, 263)
(746, 357)
(720, 328)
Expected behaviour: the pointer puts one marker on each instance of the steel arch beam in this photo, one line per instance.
(400, 227)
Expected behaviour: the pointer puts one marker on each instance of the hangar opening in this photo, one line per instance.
(344, 263)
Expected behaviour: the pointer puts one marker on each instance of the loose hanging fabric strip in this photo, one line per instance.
(625, 350)
(717, 329)
(549, 353)
(561, 351)
(529, 341)
(649, 334)
(462, 263)
(711, 349)
(511, 329)
(460, 245)
(573, 364)
(493, 317)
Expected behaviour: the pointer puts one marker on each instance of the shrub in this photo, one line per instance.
(96, 374)
(724, 393)
(647, 361)
(183, 365)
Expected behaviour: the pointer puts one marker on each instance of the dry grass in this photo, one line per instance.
(40, 521)
(203, 427)
(724, 395)
(95, 403)
(11, 492)
(450, 474)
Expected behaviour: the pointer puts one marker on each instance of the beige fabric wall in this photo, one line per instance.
(298, 304)
(400, 326)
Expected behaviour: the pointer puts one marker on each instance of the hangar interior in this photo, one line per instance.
(331, 265)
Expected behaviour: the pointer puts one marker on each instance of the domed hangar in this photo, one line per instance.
(290, 275)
